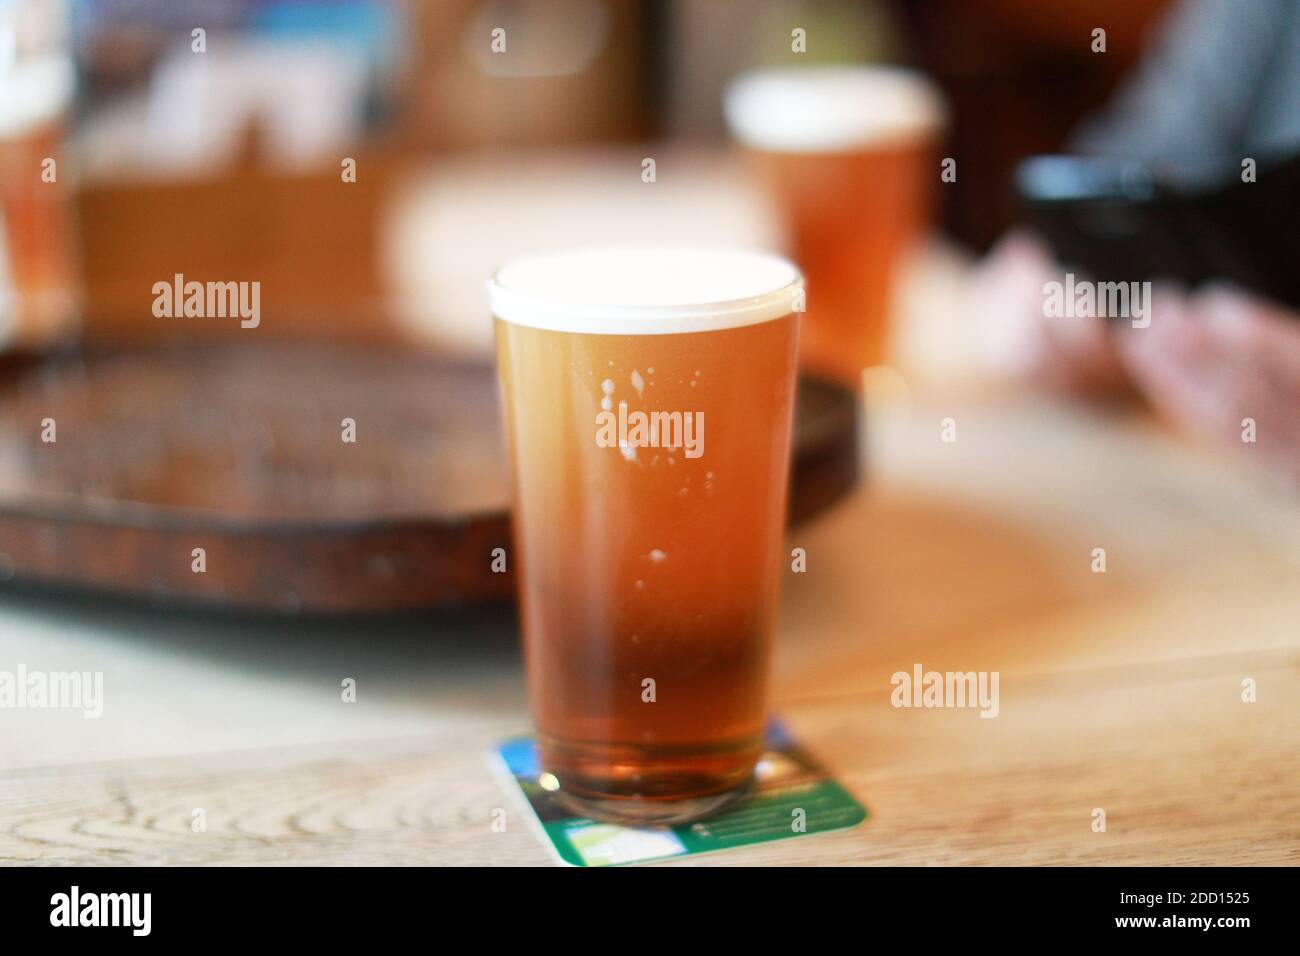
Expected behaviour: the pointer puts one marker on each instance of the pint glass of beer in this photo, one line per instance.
(849, 155)
(37, 270)
(648, 398)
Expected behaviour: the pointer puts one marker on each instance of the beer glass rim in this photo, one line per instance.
(832, 108)
(645, 290)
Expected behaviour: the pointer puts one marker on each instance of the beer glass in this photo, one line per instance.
(848, 154)
(37, 262)
(647, 397)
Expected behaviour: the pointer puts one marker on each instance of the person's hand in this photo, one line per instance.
(1072, 354)
(1212, 360)
(1208, 361)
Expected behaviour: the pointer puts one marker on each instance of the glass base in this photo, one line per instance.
(649, 785)
(632, 811)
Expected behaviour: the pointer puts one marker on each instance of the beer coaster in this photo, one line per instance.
(794, 797)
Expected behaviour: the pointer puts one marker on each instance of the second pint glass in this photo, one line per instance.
(848, 156)
(648, 398)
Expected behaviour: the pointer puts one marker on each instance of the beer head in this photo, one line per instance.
(832, 109)
(34, 94)
(645, 291)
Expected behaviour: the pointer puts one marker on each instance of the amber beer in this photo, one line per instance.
(37, 269)
(648, 399)
(849, 156)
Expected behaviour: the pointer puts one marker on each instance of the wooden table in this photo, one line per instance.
(1120, 691)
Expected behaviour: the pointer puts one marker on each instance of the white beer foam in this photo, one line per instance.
(831, 108)
(34, 93)
(645, 291)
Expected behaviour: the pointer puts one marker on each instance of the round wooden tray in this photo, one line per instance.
(236, 450)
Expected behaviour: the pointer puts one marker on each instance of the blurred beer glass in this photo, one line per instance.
(37, 278)
(849, 154)
(648, 558)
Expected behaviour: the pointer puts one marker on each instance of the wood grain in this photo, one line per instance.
(1190, 775)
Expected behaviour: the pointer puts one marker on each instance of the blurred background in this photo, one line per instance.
(366, 164)
(226, 163)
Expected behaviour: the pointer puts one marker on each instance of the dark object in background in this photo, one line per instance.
(1125, 220)
(1018, 76)
(239, 450)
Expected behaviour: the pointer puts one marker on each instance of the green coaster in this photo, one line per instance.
(794, 797)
